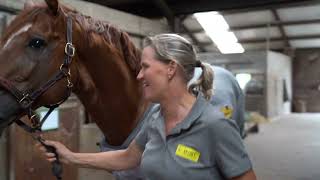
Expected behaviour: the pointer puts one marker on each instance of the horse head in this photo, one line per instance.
(103, 70)
(32, 51)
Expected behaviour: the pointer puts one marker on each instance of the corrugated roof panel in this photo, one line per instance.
(256, 46)
(248, 18)
(211, 48)
(191, 23)
(202, 37)
(299, 13)
(258, 33)
(307, 43)
(307, 29)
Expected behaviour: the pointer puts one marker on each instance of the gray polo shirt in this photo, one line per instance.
(205, 145)
(228, 97)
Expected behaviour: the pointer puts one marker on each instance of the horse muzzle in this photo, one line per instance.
(9, 109)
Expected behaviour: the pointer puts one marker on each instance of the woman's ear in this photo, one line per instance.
(172, 69)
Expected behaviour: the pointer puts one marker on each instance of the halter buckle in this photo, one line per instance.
(25, 102)
(70, 84)
(69, 49)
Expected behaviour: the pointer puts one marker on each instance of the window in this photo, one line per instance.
(52, 122)
(243, 79)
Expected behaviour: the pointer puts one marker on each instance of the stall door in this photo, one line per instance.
(25, 161)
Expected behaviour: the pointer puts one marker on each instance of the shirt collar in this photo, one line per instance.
(193, 115)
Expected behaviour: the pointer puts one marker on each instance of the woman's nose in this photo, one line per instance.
(140, 75)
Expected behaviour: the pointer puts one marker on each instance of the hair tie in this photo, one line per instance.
(198, 64)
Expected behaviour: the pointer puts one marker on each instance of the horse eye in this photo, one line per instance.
(37, 43)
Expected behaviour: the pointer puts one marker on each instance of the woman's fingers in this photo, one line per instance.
(50, 155)
(40, 148)
(62, 151)
(51, 143)
(51, 159)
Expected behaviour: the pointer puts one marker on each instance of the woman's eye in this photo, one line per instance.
(37, 43)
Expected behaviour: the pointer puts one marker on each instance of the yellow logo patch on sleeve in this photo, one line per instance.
(187, 153)
(227, 111)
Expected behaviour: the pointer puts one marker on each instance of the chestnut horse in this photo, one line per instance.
(50, 50)
(101, 69)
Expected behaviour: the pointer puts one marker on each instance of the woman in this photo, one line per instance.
(185, 136)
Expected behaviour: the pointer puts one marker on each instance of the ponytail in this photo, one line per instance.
(205, 82)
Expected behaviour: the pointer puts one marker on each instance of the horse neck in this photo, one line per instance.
(108, 89)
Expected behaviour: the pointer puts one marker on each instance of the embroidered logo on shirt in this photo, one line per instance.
(187, 153)
(227, 111)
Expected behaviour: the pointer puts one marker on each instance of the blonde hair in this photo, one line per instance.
(172, 47)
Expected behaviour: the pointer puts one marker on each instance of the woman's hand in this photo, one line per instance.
(110, 161)
(65, 155)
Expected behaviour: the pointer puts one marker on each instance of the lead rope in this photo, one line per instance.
(34, 132)
(56, 166)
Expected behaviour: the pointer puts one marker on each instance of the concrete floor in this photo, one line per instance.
(287, 148)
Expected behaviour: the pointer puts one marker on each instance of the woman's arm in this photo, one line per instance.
(249, 175)
(110, 161)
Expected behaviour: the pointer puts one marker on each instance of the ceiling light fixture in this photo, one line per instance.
(217, 29)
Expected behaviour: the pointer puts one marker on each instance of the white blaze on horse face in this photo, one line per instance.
(22, 30)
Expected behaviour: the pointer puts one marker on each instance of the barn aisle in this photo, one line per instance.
(287, 149)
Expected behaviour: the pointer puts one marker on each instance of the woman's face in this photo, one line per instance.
(153, 76)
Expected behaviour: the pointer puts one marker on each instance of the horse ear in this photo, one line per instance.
(29, 4)
(53, 6)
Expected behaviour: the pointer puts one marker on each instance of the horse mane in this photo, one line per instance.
(111, 34)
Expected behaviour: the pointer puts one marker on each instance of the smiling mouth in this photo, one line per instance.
(145, 84)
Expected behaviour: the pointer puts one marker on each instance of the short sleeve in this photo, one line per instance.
(142, 137)
(230, 155)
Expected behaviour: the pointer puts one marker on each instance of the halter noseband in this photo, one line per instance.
(26, 100)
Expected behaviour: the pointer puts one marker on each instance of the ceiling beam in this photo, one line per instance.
(166, 11)
(193, 38)
(260, 40)
(183, 18)
(266, 25)
(228, 6)
(275, 23)
(9, 10)
(283, 4)
(280, 26)
(175, 22)
(146, 8)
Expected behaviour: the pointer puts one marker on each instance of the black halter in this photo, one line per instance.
(26, 100)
